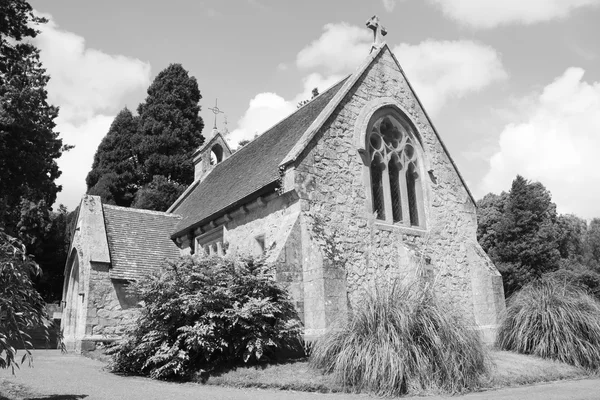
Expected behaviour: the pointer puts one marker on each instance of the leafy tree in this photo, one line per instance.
(21, 306)
(29, 146)
(592, 245)
(571, 233)
(524, 240)
(490, 211)
(46, 238)
(205, 314)
(158, 194)
(157, 143)
(169, 127)
(115, 172)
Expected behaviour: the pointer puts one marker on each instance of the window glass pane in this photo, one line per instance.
(411, 181)
(377, 187)
(395, 189)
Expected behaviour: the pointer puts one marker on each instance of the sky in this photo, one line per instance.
(512, 86)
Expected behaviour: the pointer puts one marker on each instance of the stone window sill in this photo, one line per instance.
(414, 231)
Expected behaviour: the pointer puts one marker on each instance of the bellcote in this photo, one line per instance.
(211, 153)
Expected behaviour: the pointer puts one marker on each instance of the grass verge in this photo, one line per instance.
(508, 369)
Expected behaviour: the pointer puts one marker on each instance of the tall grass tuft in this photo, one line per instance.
(553, 319)
(401, 339)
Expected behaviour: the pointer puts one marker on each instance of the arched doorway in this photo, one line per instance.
(71, 323)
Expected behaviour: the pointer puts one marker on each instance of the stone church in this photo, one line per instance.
(354, 187)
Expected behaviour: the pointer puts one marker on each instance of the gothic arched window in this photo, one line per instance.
(397, 195)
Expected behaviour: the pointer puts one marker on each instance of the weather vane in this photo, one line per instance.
(216, 111)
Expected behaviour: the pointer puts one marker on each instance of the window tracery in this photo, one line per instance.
(394, 171)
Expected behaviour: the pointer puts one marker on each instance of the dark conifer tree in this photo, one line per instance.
(115, 174)
(170, 127)
(29, 146)
(521, 235)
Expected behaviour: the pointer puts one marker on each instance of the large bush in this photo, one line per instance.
(553, 318)
(21, 306)
(204, 314)
(401, 339)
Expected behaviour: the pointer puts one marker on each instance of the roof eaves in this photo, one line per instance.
(330, 108)
(255, 194)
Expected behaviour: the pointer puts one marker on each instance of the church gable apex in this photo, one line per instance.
(381, 57)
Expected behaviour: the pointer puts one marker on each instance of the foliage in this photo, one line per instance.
(204, 314)
(579, 275)
(315, 93)
(553, 319)
(28, 145)
(21, 306)
(51, 254)
(115, 173)
(519, 233)
(490, 211)
(158, 194)
(145, 161)
(169, 127)
(592, 245)
(571, 231)
(401, 338)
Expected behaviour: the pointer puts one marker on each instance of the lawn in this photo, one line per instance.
(509, 369)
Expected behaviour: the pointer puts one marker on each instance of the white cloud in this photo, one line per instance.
(340, 49)
(86, 81)
(76, 163)
(439, 70)
(557, 144)
(389, 5)
(491, 13)
(442, 70)
(88, 86)
(266, 109)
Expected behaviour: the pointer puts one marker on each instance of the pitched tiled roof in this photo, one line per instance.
(252, 168)
(139, 240)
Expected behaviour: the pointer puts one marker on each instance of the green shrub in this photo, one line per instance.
(201, 314)
(400, 339)
(21, 306)
(555, 319)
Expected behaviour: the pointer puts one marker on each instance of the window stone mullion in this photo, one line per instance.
(404, 197)
(387, 193)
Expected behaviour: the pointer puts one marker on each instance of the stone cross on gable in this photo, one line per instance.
(379, 30)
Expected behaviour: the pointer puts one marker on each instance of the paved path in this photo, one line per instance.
(57, 376)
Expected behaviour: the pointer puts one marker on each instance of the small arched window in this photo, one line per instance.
(216, 154)
(397, 195)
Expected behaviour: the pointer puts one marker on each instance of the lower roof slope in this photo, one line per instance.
(251, 168)
(138, 240)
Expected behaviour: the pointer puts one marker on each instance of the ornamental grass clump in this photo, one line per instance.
(203, 314)
(553, 319)
(401, 339)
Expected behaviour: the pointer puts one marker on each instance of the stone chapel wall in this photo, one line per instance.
(269, 226)
(329, 181)
(110, 308)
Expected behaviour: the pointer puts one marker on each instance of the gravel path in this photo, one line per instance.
(57, 376)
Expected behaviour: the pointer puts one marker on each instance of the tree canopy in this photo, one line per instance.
(145, 161)
(115, 172)
(523, 235)
(169, 127)
(29, 146)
